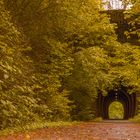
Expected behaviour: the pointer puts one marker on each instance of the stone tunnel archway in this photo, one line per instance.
(128, 101)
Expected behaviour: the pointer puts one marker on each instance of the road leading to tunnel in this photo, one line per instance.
(107, 130)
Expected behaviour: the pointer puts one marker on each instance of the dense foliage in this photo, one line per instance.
(133, 16)
(55, 56)
(15, 74)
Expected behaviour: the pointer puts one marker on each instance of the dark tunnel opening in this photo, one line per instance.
(121, 95)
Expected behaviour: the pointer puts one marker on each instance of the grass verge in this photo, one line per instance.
(136, 119)
(34, 126)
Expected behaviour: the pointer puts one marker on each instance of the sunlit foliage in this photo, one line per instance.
(56, 56)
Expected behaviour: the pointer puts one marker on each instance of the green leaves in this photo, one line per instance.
(56, 56)
(125, 66)
(134, 21)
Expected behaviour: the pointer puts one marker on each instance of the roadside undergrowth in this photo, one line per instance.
(35, 126)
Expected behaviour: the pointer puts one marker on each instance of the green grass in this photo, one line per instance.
(40, 125)
(34, 126)
(99, 119)
(136, 119)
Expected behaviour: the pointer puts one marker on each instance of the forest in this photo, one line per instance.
(57, 55)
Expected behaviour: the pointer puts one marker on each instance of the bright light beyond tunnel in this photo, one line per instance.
(116, 111)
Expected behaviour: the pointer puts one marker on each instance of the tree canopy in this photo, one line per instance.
(57, 55)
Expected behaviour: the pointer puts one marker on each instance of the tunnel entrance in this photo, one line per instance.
(127, 100)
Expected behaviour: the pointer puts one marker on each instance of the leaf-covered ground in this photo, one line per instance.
(84, 131)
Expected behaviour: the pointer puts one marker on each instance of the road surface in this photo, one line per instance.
(107, 130)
